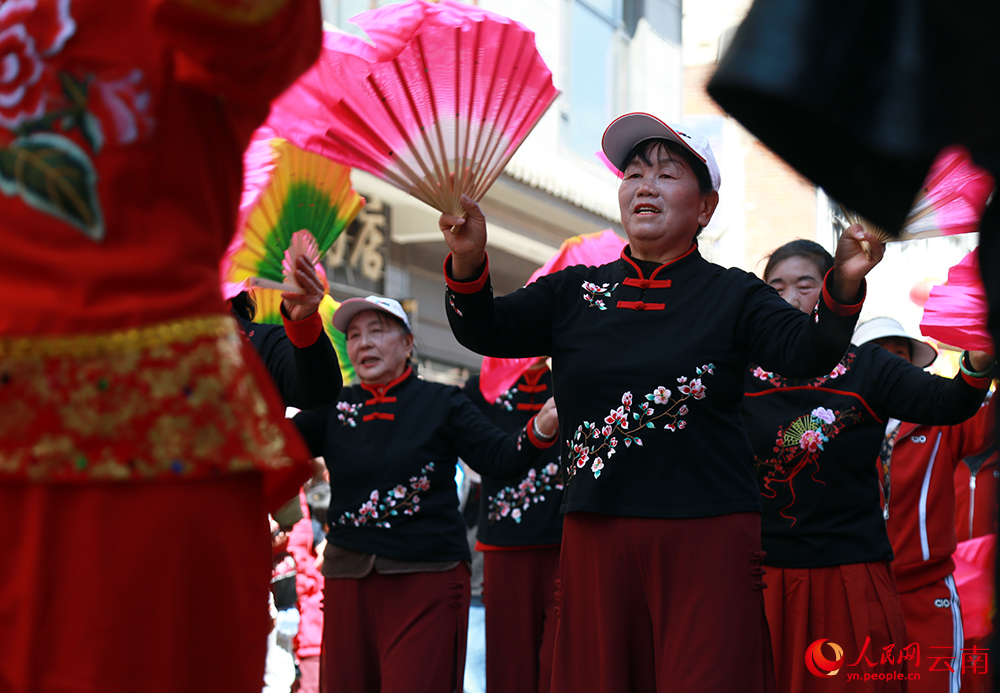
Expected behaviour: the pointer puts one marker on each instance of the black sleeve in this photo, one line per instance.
(512, 326)
(781, 338)
(307, 377)
(471, 390)
(312, 426)
(486, 448)
(908, 393)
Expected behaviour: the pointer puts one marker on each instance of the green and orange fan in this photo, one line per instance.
(295, 203)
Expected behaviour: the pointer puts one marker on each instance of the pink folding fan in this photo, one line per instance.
(436, 104)
(952, 200)
(956, 313)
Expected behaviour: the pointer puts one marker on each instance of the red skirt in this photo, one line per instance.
(114, 587)
(847, 605)
(661, 605)
(395, 633)
(519, 592)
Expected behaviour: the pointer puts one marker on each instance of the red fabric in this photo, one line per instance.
(976, 507)
(915, 449)
(305, 332)
(115, 588)
(929, 621)
(844, 604)
(470, 286)
(661, 605)
(975, 571)
(308, 587)
(396, 633)
(177, 95)
(519, 593)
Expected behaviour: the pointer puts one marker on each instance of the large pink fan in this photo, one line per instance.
(953, 198)
(956, 313)
(591, 249)
(436, 105)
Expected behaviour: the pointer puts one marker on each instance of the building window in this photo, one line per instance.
(594, 52)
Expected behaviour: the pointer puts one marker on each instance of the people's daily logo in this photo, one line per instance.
(818, 664)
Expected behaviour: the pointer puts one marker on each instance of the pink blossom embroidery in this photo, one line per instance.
(592, 292)
(347, 413)
(780, 381)
(400, 500)
(514, 501)
(592, 439)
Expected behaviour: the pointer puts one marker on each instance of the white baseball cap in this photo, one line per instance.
(352, 306)
(626, 131)
(923, 354)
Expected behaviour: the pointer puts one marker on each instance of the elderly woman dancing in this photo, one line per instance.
(660, 565)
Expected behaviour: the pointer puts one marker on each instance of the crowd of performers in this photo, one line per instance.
(726, 481)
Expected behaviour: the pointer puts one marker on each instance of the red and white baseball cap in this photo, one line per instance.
(626, 131)
(352, 306)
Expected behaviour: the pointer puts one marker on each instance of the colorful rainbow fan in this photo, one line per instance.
(294, 203)
(496, 374)
(436, 105)
(956, 313)
(269, 312)
(951, 202)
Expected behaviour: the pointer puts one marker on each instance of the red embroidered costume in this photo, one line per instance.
(139, 437)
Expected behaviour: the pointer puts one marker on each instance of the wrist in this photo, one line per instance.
(977, 368)
(544, 437)
(467, 267)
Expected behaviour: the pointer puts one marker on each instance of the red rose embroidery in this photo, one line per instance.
(30, 30)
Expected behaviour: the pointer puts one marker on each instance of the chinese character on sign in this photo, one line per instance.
(887, 655)
(357, 258)
(974, 660)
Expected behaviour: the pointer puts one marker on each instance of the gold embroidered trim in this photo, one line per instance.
(139, 339)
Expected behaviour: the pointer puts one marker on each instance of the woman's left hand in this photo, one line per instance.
(547, 419)
(853, 262)
(301, 306)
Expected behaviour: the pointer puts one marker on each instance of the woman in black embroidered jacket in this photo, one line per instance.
(396, 596)
(660, 564)
(817, 445)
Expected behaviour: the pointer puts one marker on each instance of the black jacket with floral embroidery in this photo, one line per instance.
(816, 444)
(648, 368)
(392, 450)
(524, 510)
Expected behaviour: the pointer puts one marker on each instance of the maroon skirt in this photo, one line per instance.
(661, 605)
(846, 605)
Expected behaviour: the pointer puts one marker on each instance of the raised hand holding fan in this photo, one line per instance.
(951, 201)
(436, 105)
(295, 203)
